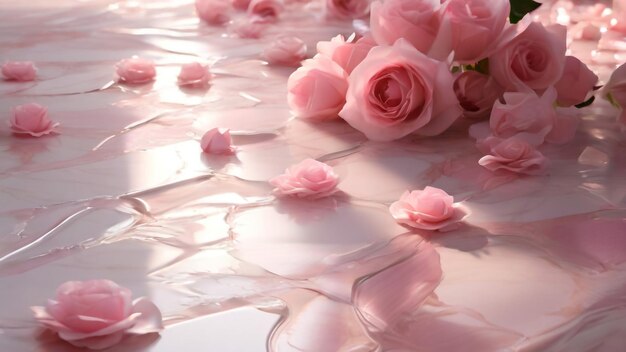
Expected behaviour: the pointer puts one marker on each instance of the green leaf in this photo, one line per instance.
(586, 103)
(519, 9)
(483, 66)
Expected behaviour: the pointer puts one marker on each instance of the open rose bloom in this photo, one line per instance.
(135, 70)
(31, 119)
(513, 155)
(429, 209)
(308, 179)
(288, 51)
(397, 90)
(97, 314)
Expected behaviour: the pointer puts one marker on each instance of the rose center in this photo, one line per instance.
(388, 92)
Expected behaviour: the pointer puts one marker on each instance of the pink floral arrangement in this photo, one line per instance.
(424, 64)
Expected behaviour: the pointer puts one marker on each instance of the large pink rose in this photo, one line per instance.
(348, 54)
(470, 28)
(21, 71)
(513, 154)
(135, 70)
(31, 119)
(615, 89)
(428, 209)
(533, 60)
(532, 117)
(476, 93)
(414, 20)
(347, 9)
(575, 83)
(397, 91)
(308, 179)
(317, 90)
(97, 314)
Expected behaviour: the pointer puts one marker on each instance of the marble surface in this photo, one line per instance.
(124, 193)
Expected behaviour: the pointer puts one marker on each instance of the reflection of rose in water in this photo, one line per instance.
(304, 211)
(26, 147)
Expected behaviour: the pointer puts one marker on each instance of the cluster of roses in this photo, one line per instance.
(425, 63)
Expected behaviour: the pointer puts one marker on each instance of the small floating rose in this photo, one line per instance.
(241, 4)
(217, 141)
(97, 314)
(266, 11)
(31, 119)
(135, 70)
(428, 209)
(513, 154)
(213, 12)
(248, 29)
(288, 51)
(194, 75)
(308, 179)
(21, 71)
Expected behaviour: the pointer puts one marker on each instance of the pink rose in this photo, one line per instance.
(470, 28)
(397, 91)
(97, 314)
(288, 51)
(347, 9)
(308, 179)
(22, 71)
(217, 141)
(31, 119)
(615, 89)
(575, 83)
(249, 29)
(476, 93)
(534, 59)
(513, 154)
(265, 10)
(317, 90)
(194, 75)
(430, 209)
(414, 20)
(533, 117)
(135, 70)
(241, 4)
(347, 54)
(213, 12)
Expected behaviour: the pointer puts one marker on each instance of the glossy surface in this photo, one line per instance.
(124, 193)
